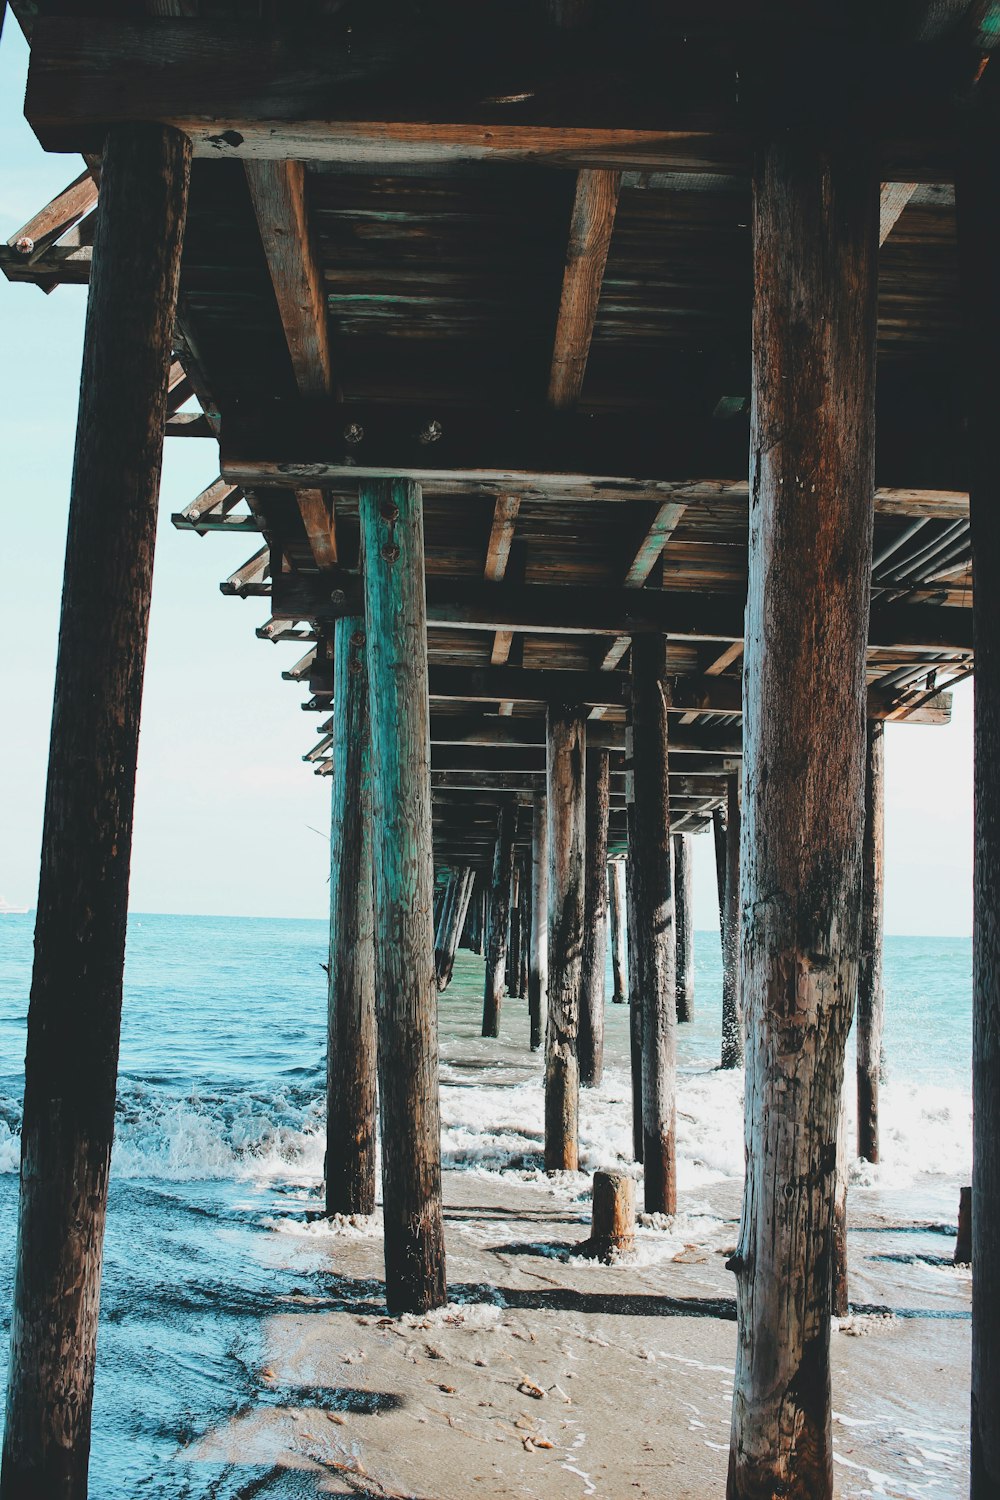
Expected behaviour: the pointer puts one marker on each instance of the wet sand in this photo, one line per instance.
(550, 1376)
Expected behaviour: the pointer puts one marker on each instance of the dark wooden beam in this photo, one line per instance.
(575, 610)
(871, 1000)
(277, 191)
(351, 1118)
(591, 225)
(583, 455)
(76, 989)
(978, 205)
(416, 93)
(565, 800)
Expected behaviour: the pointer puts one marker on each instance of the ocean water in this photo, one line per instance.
(219, 1144)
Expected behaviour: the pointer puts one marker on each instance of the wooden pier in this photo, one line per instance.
(602, 400)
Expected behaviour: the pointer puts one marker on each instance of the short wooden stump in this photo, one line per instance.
(612, 1230)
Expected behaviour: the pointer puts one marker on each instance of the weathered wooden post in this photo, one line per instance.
(76, 989)
(524, 907)
(979, 246)
(871, 1000)
(815, 236)
(732, 1006)
(719, 839)
(468, 938)
(653, 911)
(395, 611)
(497, 918)
(595, 929)
(351, 1030)
(452, 922)
(635, 992)
(684, 925)
(538, 977)
(612, 1228)
(566, 804)
(512, 971)
(616, 907)
(839, 1303)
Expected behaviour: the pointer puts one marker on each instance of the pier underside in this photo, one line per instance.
(594, 389)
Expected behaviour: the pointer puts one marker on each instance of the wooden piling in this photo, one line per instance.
(612, 1231)
(684, 925)
(512, 971)
(538, 977)
(649, 856)
(839, 1303)
(978, 204)
(76, 990)
(616, 911)
(566, 803)
(815, 234)
(719, 840)
(963, 1238)
(732, 1008)
(497, 918)
(351, 1029)
(451, 925)
(393, 551)
(871, 1000)
(526, 922)
(595, 930)
(635, 991)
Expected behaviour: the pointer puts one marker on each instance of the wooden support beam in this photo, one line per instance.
(590, 1045)
(450, 931)
(563, 609)
(647, 555)
(57, 217)
(871, 1000)
(566, 802)
(538, 972)
(616, 909)
(605, 456)
(812, 470)
(497, 557)
(684, 925)
(892, 200)
(978, 204)
(278, 193)
(76, 990)
(498, 906)
(320, 526)
(351, 1027)
(652, 913)
(277, 190)
(393, 539)
(732, 1005)
(241, 89)
(591, 225)
(522, 731)
(689, 695)
(212, 511)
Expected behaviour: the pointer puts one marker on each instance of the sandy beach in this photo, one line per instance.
(551, 1376)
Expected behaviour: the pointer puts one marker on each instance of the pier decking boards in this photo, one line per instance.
(542, 349)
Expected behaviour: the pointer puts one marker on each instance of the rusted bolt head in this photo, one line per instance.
(431, 432)
(353, 433)
(390, 552)
(389, 511)
(25, 245)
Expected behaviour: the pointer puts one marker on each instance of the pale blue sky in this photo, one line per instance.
(225, 808)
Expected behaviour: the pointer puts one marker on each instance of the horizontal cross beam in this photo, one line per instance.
(577, 610)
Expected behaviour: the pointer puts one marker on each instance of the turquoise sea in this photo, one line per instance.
(219, 1131)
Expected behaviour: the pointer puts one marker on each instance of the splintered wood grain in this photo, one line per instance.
(812, 478)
